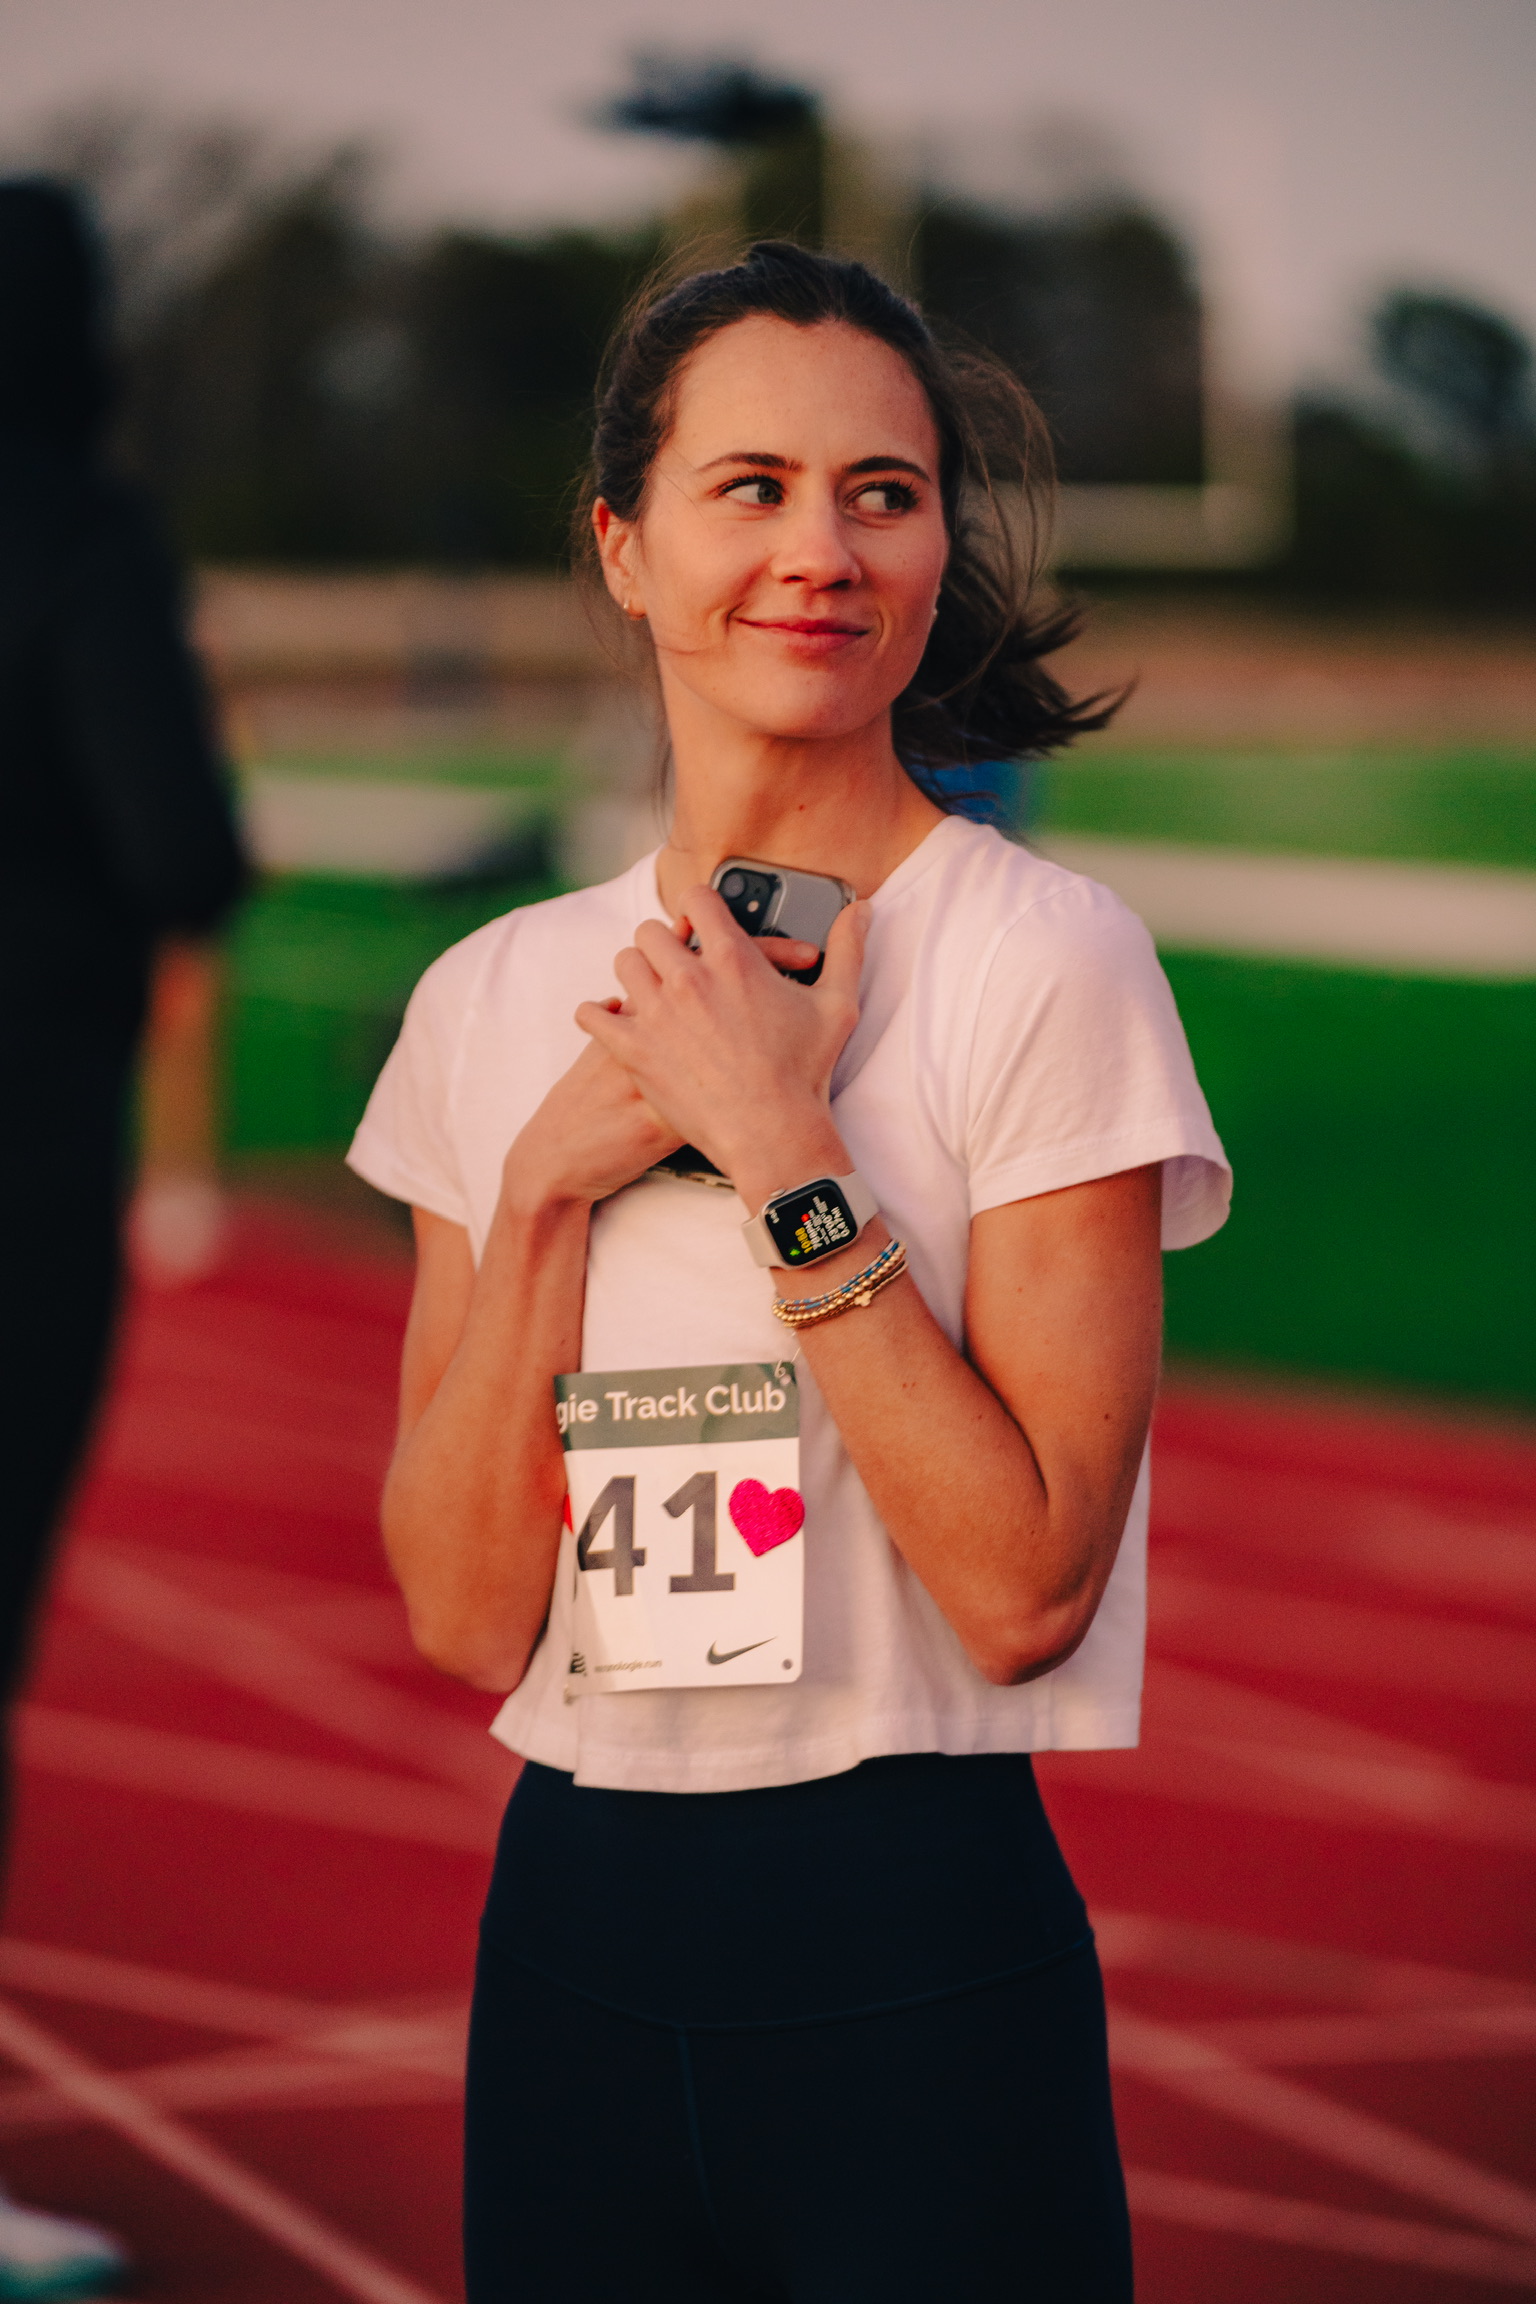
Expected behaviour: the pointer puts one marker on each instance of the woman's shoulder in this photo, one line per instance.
(993, 892)
(556, 942)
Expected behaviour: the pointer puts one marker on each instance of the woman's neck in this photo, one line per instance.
(842, 805)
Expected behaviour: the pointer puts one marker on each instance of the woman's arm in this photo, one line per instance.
(1003, 1475)
(473, 1498)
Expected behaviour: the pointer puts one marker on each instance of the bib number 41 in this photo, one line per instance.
(624, 1556)
(685, 1565)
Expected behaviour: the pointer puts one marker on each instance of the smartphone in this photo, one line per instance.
(766, 900)
(778, 900)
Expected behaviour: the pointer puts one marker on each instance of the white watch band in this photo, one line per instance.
(861, 1201)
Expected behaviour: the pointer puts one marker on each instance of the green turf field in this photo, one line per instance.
(320, 974)
(1380, 1126)
(1473, 806)
(481, 765)
(1380, 1129)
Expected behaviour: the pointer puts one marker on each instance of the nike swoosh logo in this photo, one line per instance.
(712, 1658)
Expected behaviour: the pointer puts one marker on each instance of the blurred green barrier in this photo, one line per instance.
(1380, 1128)
(1379, 1124)
(1469, 806)
(320, 973)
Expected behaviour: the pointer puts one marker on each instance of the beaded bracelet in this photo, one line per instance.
(862, 1289)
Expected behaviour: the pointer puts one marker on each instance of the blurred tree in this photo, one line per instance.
(316, 395)
(506, 338)
(301, 389)
(172, 194)
(230, 416)
(1098, 313)
(773, 129)
(1434, 497)
(1468, 368)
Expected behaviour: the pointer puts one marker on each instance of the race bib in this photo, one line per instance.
(683, 1542)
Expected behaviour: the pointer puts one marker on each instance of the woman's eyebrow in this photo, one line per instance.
(887, 464)
(762, 460)
(755, 456)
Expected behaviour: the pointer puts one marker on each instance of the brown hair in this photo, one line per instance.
(982, 691)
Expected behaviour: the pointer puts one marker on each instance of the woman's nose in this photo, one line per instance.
(813, 546)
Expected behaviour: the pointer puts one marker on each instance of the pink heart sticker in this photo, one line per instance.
(766, 1517)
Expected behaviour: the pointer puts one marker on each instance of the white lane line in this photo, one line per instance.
(1452, 1807)
(1448, 2036)
(355, 2270)
(395, 2052)
(1204, 2074)
(1482, 1558)
(156, 1613)
(298, 2079)
(241, 2079)
(1198, 1704)
(96, 1980)
(435, 2044)
(253, 1781)
(1189, 2200)
(1326, 1639)
(358, 1621)
(1307, 1788)
(1357, 912)
(1197, 1953)
(274, 1374)
(1211, 1741)
(223, 1453)
(415, 2034)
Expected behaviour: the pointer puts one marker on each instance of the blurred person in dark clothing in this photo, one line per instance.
(116, 833)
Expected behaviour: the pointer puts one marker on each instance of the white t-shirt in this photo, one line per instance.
(1016, 1035)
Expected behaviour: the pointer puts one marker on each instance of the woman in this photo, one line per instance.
(785, 1991)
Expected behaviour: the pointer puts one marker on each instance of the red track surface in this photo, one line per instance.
(254, 1833)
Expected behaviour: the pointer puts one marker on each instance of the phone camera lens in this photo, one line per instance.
(734, 884)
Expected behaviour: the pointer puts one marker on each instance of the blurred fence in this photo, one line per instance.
(1330, 827)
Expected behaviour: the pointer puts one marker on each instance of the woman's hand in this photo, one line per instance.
(733, 1056)
(593, 1134)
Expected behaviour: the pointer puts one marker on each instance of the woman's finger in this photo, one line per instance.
(662, 949)
(636, 974)
(712, 919)
(845, 952)
(605, 1024)
(788, 951)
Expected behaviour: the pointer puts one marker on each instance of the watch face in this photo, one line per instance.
(815, 1221)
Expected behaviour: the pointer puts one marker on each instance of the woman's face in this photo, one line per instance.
(791, 544)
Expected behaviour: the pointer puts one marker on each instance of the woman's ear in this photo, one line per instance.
(618, 551)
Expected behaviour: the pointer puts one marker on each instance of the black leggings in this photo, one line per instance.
(935, 2145)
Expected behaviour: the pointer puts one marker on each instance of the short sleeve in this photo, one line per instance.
(404, 1143)
(1079, 1067)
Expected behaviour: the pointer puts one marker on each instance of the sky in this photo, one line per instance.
(1316, 151)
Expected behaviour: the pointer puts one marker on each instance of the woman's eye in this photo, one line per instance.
(888, 496)
(754, 490)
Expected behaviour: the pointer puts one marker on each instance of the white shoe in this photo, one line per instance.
(43, 2256)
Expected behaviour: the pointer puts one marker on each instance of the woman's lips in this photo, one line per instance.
(816, 632)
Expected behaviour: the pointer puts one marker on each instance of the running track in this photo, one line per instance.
(253, 1834)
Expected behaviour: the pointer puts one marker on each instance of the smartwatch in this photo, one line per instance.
(812, 1221)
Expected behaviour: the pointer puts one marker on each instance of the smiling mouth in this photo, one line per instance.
(807, 627)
